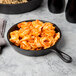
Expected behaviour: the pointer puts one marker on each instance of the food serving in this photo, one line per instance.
(34, 35)
(12, 1)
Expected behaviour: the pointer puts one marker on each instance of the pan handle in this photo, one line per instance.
(66, 58)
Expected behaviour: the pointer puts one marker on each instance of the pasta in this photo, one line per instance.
(34, 35)
(12, 1)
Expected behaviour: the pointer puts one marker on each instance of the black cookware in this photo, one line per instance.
(20, 8)
(71, 11)
(56, 6)
(66, 58)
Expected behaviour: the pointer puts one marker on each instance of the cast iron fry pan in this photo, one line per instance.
(66, 58)
(20, 8)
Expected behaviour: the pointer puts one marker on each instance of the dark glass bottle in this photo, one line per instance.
(56, 6)
(71, 11)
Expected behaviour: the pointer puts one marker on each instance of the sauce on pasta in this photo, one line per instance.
(34, 35)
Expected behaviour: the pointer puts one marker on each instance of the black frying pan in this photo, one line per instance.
(20, 8)
(66, 58)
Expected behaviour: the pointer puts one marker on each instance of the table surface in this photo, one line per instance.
(15, 64)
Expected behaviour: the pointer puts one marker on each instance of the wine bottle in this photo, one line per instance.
(71, 11)
(56, 6)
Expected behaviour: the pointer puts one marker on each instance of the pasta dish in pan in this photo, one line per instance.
(34, 35)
